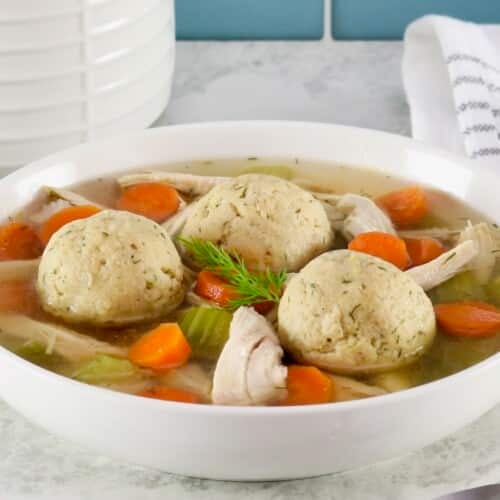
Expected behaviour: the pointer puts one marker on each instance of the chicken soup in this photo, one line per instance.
(250, 282)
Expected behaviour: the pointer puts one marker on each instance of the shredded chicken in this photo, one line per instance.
(174, 224)
(249, 370)
(353, 214)
(348, 389)
(48, 211)
(131, 387)
(189, 184)
(445, 266)
(190, 377)
(484, 262)
(439, 233)
(71, 345)
(18, 270)
(59, 199)
(69, 196)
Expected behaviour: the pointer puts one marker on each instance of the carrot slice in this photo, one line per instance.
(468, 318)
(170, 394)
(63, 217)
(153, 200)
(405, 207)
(423, 250)
(162, 348)
(382, 245)
(18, 297)
(18, 241)
(308, 385)
(211, 287)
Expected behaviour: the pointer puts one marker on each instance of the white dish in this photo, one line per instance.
(110, 103)
(254, 443)
(15, 152)
(30, 32)
(73, 70)
(57, 88)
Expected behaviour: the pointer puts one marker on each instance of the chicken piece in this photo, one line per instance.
(484, 262)
(69, 344)
(354, 214)
(190, 377)
(174, 224)
(189, 184)
(445, 266)
(59, 199)
(249, 370)
(443, 234)
(348, 389)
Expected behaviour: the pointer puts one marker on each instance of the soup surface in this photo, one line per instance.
(250, 282)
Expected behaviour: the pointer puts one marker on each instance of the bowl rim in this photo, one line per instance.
(251, 411)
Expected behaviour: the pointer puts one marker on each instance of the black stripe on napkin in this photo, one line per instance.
(472, 105)
(461, 57)
(475, 80)
(479, 127)
(485, 152)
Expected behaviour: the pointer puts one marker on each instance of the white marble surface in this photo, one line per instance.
(351, 83)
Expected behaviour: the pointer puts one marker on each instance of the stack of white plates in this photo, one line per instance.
(77, 70)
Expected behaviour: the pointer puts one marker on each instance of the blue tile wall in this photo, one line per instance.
(249, 19)
(387, 19)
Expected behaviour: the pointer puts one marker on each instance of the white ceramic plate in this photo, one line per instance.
(252, 443)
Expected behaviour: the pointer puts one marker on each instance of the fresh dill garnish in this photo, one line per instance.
(251, 288)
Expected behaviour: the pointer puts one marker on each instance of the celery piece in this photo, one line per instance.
(206, 329)
(275, 170)
(105, 369)
(463, 286)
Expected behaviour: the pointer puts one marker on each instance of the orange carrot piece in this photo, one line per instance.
(18, 297)
(63, 217)
(170, 394)
(162, 348)
(405, 207)
(211, 287)
(423, 250)
(308, 385)
(18, 241)
(153, 200)
(468, 318)
(382, 245)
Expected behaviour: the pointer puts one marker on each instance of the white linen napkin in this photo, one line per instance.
(451, 74)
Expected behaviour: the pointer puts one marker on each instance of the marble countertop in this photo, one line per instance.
(352, 83)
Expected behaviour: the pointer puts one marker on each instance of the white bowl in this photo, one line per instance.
(93, 66)
(252, 443)
(109, 103)
(20, 92)
(16, 10)
(70, 26)
(15, 152)
(47, 47)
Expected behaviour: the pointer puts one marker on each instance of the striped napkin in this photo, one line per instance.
(451, 74)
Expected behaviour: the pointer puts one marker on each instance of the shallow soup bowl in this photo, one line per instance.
(252, 443)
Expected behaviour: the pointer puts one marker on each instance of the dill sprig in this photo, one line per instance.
(251, 288)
